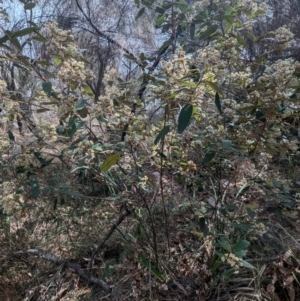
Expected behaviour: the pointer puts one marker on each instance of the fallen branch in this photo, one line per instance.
(74, 266)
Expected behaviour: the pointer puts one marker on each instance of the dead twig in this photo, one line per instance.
(108, 235)
(74, 266)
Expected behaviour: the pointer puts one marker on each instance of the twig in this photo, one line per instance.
(108, 235)
(100, 33)
(74, 266)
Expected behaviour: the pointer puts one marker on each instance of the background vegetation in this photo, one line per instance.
(149, 150)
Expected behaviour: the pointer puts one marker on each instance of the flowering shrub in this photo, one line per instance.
(220, 118)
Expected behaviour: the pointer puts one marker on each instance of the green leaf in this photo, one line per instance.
(240, 253)
(21, 169)
(224, 244)
(11, 135)
(218, 103)
(57, 60)
(164, 46)
(160, 20)
(283, 197)
(184, 117)
(203, 226)
(47, 87)
(87, 89)
(242, 226)
(80, 104)
(162, 134)
(260, 116)
(227, 145)
(97, 147)
(4, 39)
(227, 9)
(24, 32)
(72, 126)
(30, 5)
(250, 212)
(137, 3)
(247, 264)
(39, 38)
(288, 202)
(109, 162)
(241, 245)
(43, 63)
(83, 113)
(33, 24)
(208, 32)
(16, 43)
(243, 189)
(44, 163)
(215, 87)
(60, 129)
(130, 57)
(208, 157)
(35, 189)
(140, 13)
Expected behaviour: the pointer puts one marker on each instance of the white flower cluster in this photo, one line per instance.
(110, 105)
(47, 131)
(9, 200)
(258, 229)
(74, 71)
(234, 261)
(2, 85)
(283, 34)
(4, 144)
(280, 74)
(9, 106)
(24, 159)
(61, 42)
(126, 162)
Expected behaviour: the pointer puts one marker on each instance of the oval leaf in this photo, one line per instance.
(35, 189)
(30, 5)
(47, 87)
(247, 265)
(11, 135)
(109, 162)
(162, 134)
(208, 32)
(218, 103)
(140, 13)
(184, 117)
(87, 89)
(215, 87)
(83, 113)
(24, 32)
(208, 157)
(80, 104)
(241, 245)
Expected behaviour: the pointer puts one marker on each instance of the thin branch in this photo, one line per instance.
(102, 34)
(108, 235)
(143, 86)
